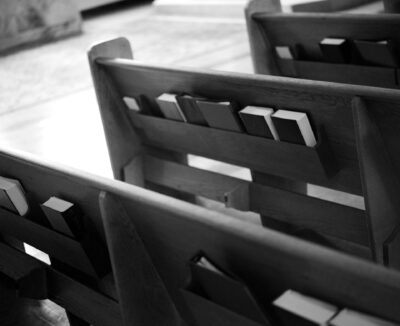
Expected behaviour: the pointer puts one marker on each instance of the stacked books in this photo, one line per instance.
(335, 50)
(281, 125)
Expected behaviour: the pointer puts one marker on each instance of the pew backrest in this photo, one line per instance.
(151, 239)
(304, 31)
(357, 149)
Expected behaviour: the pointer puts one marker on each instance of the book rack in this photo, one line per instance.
(151, 237)
(305, 31)
(315, 164)
(151, 152)
(340, 73)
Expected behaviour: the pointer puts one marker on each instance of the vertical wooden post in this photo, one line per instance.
(261, 52)
(379, 182)
(124, 144)
(143, 298)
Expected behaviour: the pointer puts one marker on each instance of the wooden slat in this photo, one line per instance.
(82, 301)
(303, 211)
(53, 243)
(199, 182)
(27, 273)
(322, 216)
(279, 158)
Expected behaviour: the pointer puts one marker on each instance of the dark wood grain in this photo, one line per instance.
(304, 31)
(82, 301)
(380, 183)
(326, 217)
(143, 297)
(345, 73)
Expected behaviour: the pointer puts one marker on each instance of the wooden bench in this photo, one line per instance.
(357, 150)
(267, 30)
(151, 239)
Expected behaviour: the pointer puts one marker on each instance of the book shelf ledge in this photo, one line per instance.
(309, 164)
(339, 72)
(203, 310)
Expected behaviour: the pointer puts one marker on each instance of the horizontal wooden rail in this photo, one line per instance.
(92, 306)
(330, 218)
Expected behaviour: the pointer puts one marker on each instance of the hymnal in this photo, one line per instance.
(258, 122)
(12, 196)
(66, 217)
(191, 110)
(294, 308)
(335, 50)
(132, 103)
(284, 52)
(377, 53)
(221, 115)
(63, 216)
(347, 317)
(294, 127)
(169, 107)
(224, 289)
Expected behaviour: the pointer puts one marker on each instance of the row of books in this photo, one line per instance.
(64, 217)
(290, 308)
(280, 125)
(342, 50)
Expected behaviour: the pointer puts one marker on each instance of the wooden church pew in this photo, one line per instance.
(357, 152)
(152, 238)
(303, 32)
